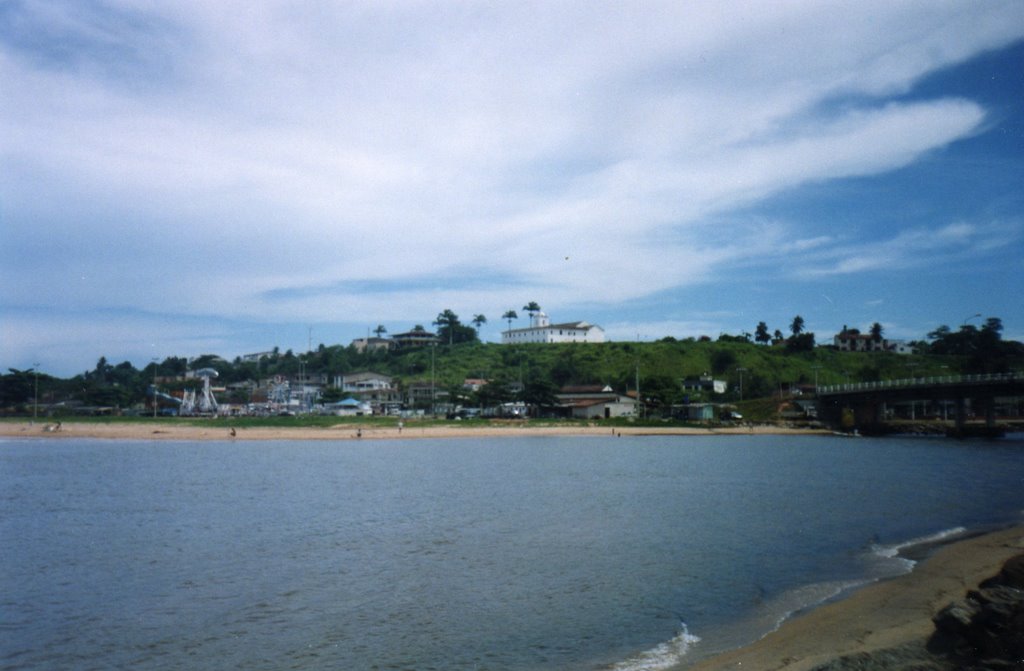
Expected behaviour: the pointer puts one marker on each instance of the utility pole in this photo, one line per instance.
(639, 398)
(154, 387)
(433, 410)
(741, 371)
(35, 402)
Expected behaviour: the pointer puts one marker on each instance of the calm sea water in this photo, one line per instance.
(539, 553)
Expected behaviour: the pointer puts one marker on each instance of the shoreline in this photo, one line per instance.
(877, 617)
(171, 431)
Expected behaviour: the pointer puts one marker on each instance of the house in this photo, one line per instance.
(473, 383)
(371, 344)
(705, 383)
(428, 395)
(417, 337)
(595, 402)
(852, 340)
(362, 382)
(374, 389)
(541, 330)
(256, 356)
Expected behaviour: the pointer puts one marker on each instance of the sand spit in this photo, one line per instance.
(348, 431)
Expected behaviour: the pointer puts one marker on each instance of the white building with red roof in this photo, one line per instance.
(543, 331)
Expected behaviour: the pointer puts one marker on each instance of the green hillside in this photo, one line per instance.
(534, 372)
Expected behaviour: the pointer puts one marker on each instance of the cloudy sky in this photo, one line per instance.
(189, 177)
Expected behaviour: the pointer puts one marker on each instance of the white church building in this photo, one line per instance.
(542, 330)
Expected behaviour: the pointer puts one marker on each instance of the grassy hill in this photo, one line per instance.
(661, 366)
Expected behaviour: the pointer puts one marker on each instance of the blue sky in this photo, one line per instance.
(191, 177)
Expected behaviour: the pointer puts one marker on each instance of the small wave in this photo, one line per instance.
(892, 551)
(777, 610)
(663, 656)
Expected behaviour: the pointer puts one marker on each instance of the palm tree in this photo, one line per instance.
(478, 320)
(510, 315)
(380, 330)
(532, 308)
(447, 320)
(797, 327)
(761, 334)
(876, 332)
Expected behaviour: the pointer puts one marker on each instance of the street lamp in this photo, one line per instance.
(816, 368)
(741, 371)
(974, 316)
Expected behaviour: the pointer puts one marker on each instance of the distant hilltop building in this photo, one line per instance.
(852, 340)
(542, 330)
(417, 337)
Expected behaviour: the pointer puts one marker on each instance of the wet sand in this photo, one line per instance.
(190, 431)
(880, 616)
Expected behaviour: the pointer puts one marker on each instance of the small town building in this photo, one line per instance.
(428, 395)
(541, 330)
(705, 383)
(852, 340)
(417, 337)
(371, 344)
(700, 412)
(374, 389)
(595, 402)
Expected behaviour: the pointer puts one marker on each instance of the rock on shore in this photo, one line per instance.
(982, 631)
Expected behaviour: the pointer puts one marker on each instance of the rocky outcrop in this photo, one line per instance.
(986, 628)
(984, 631)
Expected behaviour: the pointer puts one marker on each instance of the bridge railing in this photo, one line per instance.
(920, 382)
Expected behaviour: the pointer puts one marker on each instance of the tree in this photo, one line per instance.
(540, 392)
(722, 360)
(876, 332)
(797, 327)
(532, 308)
(450, 328)
(777, 337)
(446, 322)
(17, 387)
(510, 315)
(478, 320)
(761, 334)
(804, 342)
(380, 330)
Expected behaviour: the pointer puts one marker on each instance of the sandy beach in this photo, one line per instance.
(880, 616)
(188, 431)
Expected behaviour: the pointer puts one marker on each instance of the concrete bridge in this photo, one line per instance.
(956, 397)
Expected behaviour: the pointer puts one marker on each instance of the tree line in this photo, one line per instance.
(536, 372)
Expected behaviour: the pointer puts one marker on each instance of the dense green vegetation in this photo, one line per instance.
(535, 372)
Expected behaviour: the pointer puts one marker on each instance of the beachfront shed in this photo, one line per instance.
(700, 412)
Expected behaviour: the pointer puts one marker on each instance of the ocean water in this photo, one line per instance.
(535, 553)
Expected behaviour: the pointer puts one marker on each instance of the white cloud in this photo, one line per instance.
(221, 151)
(915, 248)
